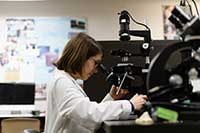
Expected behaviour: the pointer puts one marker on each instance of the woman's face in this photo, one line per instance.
(90, 66)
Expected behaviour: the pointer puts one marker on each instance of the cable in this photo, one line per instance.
(182, 3)
(190, 7)
(196, 7)
(138, 22)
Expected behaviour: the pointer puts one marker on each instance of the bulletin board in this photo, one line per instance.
(29, 46)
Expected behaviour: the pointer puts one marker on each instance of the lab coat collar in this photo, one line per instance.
(63, 73)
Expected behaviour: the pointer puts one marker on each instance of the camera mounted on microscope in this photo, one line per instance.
(126, 74)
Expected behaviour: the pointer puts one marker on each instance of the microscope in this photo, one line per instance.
(172, 88)
(126, 74)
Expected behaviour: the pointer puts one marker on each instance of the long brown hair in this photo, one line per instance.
(79, 49)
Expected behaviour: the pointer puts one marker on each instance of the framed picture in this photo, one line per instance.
(169, 28)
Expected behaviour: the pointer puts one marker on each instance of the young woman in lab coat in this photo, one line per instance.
(69, 110)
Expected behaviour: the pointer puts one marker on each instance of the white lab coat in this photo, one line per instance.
(69, 109)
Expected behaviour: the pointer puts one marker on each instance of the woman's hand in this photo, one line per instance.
(117, 93)
(138, 101)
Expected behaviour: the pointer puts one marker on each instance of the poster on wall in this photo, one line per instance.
(29, 46)
(169, 28)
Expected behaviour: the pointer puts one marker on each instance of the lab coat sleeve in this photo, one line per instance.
(107, 98)
(74, 105)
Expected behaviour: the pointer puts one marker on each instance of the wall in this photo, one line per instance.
(101, 14)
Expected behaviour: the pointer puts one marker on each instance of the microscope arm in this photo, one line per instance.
(146, 34)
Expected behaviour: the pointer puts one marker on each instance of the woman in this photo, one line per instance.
(69, 109)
